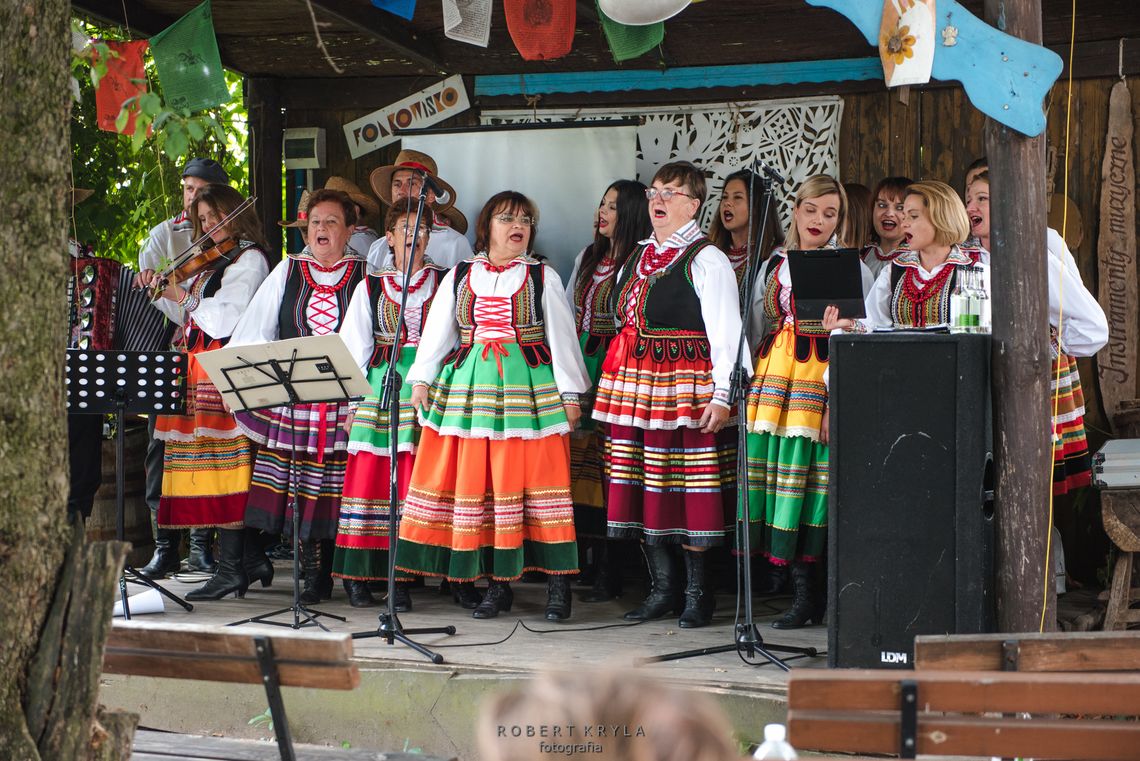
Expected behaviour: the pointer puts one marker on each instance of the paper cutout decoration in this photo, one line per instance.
(906, 41)
(467, 21)
(542, 30)
(405, 9)
(627, 42)
(642, 12)
(189, 66)
(125, 78)
(1006, 78)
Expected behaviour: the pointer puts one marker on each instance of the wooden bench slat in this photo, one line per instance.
(1054, 651)
(972, 692)
(206, 639)
(966, 736)
(341, 677)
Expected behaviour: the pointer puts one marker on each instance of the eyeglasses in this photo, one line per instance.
(510, 219)
(407, 231)
(665, 193)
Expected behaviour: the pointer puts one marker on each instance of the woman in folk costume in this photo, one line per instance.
(787, 404)
(490, 490)
(738, 222)
(207, 462)
(306, 295)
(623, 220)
(369, 332)
(663, 396)
(887, 239)
(1077, 328)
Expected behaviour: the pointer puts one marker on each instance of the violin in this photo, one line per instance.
(200, 256)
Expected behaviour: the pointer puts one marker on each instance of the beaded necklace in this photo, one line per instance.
(318, 287)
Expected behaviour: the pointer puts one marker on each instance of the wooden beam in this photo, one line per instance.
(128, 14)
(385, 28)
(1022, 451)
(265, 142)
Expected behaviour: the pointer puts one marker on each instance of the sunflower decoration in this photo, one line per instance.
(898, 45)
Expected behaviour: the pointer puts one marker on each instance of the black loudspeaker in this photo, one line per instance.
(911, 532)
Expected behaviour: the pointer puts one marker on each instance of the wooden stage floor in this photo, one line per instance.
(522, 640)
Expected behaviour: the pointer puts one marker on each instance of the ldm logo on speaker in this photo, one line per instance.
(887, 656)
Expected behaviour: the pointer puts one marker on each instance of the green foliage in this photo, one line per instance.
(136, 178)
(262, 720)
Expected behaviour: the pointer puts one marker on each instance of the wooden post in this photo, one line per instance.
(263, 103)
(1021, 363)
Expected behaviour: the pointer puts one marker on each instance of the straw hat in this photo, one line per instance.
(642, 12)
(79, 195)
(453, 218)
(353, 191)
(302, 219)
(381, 177)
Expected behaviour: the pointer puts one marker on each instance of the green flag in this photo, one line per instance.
(188, 63)
(628, 42)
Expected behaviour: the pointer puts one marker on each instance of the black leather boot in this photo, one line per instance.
(558, 598)
(664, 592)
(324, 580)
(771, 579)
(310, 572)
(403, 597)
(359, 596)
(257, 564)
(699, 599)
(607, 580)
(465, 594)
(165, 558)
(498, 599)
(230, 576)
(201, 557)
(805, 602)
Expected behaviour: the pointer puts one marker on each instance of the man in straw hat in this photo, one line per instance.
(167, 240)
(404, 179)
(301, 223)
(366, 208)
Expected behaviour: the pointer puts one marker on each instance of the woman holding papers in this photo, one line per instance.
(497, 378)
(663, 396)
(207, 464)
(370, 332)
(306, 295)
(787, 408)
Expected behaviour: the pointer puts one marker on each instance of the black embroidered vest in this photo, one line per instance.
(526, 314)
(291, 322)
(386, 311)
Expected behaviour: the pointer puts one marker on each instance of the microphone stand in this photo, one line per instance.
(747, 637)
(390, 627)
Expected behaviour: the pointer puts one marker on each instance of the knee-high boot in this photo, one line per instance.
(664, 592)
(806, 607)
(230, 575)
(257, 564)
(699, 599)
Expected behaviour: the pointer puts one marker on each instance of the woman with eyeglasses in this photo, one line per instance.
(304, 447)
(208, 461)
(490, 489)
(663, 396)
(369, 332)
(622, 220)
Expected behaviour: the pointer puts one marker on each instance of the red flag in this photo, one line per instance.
(116, 86)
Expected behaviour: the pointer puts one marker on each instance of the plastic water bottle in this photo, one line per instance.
(959, 307)
(775, 745)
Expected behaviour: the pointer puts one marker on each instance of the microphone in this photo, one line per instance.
(431, 184)
(768, 172)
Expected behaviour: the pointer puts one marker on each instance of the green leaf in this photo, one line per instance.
(195, 129)
(122, 119)
(150, 103)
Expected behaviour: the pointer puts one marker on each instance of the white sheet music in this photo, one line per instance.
(468, 21)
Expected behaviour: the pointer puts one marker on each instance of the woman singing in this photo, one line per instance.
(490, 490)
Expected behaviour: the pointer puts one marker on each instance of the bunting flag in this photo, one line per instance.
(189, 66)
(542, 30)
(467, 21)
(403, 8)
(628, 42)
(125, 78)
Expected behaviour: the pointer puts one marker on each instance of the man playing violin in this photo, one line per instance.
(167, 240)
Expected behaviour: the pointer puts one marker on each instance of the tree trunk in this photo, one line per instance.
(1022, 453)
(47, 686)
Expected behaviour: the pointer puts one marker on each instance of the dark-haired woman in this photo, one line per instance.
(738, 222)
(490, 489)
(306, 295)
(207, 462)
(887, 237)
(623, 220)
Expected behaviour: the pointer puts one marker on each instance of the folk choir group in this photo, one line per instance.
(537, 418)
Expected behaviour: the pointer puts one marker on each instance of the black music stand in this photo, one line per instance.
(101, 381)
(286, 373)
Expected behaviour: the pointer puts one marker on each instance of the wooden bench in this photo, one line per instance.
(969, 696)
(232, 655)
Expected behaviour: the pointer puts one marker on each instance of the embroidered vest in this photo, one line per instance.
(600, 309)
(669, 324)
(810, 334)
(386, 312)
(299, 289)
(207, 285)
(915, 303)
(526, 316)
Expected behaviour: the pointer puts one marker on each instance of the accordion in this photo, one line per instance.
(107, 312)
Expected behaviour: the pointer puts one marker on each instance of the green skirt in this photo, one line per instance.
(787, 496)
(370, 426)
